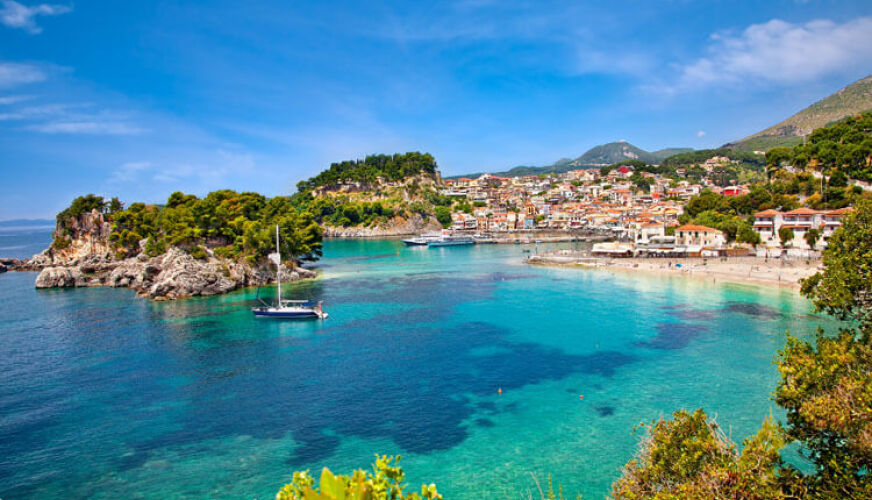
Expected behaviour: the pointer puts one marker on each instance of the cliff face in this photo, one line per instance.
(398, 226)
(380, 189)
(87, 260)
(86, 239)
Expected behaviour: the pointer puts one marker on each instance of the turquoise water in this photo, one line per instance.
(105, 395)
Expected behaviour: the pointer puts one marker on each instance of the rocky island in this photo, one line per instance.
(188, 247)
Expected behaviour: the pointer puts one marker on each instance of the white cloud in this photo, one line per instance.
(86, 127)
(129, 171)
(13, 99)
(700, 133)
(14, 74)
(778, 52)
(221, 166)
(16, 15)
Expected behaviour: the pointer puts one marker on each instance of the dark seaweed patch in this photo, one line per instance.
(672, 336)
(756, 310)
(604, 411)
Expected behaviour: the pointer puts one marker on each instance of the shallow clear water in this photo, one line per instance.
(104, 394)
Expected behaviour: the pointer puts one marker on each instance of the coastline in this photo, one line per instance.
(742, 270)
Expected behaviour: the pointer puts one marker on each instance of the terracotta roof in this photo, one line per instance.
(841, 211)
(767, 213)
(802, 211)
(694, 227)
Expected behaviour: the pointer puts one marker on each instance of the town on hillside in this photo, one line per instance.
(640, 210)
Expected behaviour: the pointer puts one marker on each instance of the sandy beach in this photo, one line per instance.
(747, 270)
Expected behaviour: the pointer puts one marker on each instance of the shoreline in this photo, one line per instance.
(756, 271)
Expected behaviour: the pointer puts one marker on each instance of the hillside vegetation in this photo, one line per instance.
(376, 192)
(843, 148)
(386, 167)
(853, 99)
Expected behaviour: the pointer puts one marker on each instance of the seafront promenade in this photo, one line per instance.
(778, 272)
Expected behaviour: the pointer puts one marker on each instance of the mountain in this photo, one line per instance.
(614, 152)
(851, 100)
(604, 154)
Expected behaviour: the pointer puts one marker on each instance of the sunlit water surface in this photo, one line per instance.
(105, 395)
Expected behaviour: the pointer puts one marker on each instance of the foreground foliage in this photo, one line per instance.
(690, 457)
(385, 482)
(844, 290)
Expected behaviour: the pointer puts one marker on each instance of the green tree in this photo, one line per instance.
(690, 457)
(811, 237)
(785, 235)
(443, 215)
(827, 392)
(844, 288)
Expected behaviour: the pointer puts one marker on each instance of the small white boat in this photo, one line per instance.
(421, 240)
(287, 309)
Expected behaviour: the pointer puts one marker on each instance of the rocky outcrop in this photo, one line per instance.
(85, 258)
(173, 275)
(398, 226)
(61, 277)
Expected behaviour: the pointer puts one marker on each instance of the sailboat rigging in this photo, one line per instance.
(287, 309)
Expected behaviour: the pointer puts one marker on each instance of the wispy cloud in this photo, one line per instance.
(191, 175)
(15, 74)
(13, 99)
(86, 127)
(68, 118)
(777, 52)
(16, 15)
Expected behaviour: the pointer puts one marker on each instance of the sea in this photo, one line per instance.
(486, 374)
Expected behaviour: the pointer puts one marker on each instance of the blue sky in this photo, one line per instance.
(139, 99)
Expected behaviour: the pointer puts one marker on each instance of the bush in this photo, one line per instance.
(198, 253)
(385, 482)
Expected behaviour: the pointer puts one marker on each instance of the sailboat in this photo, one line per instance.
(287, 309)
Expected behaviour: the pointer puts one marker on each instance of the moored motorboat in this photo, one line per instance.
(421, 240)
(451, 240)
(483, 239)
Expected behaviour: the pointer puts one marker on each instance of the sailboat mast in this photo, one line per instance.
(278, 269)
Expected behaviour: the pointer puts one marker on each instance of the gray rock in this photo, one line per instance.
(60, 277)
(172, 275)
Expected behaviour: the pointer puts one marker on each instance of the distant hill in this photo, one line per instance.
(851, 100)
(604, 154)
(662, 154)
(614, 152)
(28, 223)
